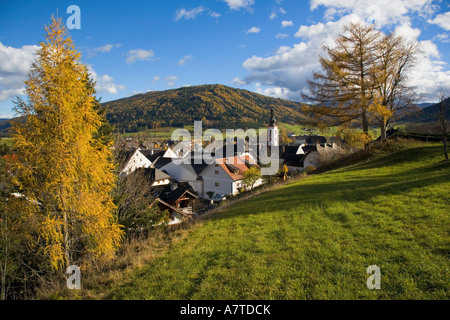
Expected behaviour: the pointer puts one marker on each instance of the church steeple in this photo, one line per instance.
(272, 119)
(272, 131)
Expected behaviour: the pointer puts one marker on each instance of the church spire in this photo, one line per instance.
(272, 119)
(272, 132)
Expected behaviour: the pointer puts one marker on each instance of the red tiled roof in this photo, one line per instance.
(11, 157)
(237, 163)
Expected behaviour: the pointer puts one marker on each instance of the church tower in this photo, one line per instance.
(272, 131)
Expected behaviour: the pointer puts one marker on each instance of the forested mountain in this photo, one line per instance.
(218, 106)
(428, 114)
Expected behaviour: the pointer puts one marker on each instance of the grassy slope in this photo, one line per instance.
(314, 239)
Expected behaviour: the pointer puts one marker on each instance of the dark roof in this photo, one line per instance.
(152, 174)
(179, 192)
(291, 149)
(222, 152)
(124, 156)
(174, 195)
(152, 154)
(295, 160)
(198, 168)
(316, 139)
(161, 162)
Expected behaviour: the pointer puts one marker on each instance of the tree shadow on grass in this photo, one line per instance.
(302, 194)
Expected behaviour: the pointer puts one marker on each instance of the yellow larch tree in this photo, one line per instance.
(65, 168)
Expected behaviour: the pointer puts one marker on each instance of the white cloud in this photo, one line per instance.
(272, 16)
(382, 12)
(443, 37)
(286, 23)
(15, 64)
(107, 47)
(188, 14)
(239, 4)
(183, 61)
(214, 14)
(281, 35)
(171, 80)
(156, 79)
(104, 83)
(238, 81)
(442, 20)
(193, 13)
(278, 92)
(429, 75)
(253, 30)
(139, 54)
(284, 73)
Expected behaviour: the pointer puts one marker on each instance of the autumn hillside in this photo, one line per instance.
(219, 106)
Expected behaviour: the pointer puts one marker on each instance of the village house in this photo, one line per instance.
(179, 200)
(297, 158)
(225, 176)
(142, 158)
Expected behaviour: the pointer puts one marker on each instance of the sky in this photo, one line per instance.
(266, 46)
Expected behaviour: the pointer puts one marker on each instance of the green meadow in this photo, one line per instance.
(315, 238)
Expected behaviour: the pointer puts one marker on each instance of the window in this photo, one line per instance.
(216, 171)
(216, 184)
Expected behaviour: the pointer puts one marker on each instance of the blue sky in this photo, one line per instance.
(266, 46)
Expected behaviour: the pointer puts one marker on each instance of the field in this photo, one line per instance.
(7, 141)
(165, 133)
(314, 239)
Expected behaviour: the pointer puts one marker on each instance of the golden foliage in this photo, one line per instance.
(64, 166)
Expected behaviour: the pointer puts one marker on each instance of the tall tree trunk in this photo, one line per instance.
(383, 130)
(365, 122)
(66, 240)
(65, 228)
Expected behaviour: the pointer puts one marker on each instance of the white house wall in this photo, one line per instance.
(178, 172)
(197, 186)
(137, 160)
(311, 159)
(210, 178)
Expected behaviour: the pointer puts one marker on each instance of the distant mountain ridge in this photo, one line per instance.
(427, 114)
(217, 105)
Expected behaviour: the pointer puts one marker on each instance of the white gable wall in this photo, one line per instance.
(311, 159)
(169, 154)
(137, 160)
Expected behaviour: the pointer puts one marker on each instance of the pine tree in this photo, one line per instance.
(65, 167)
